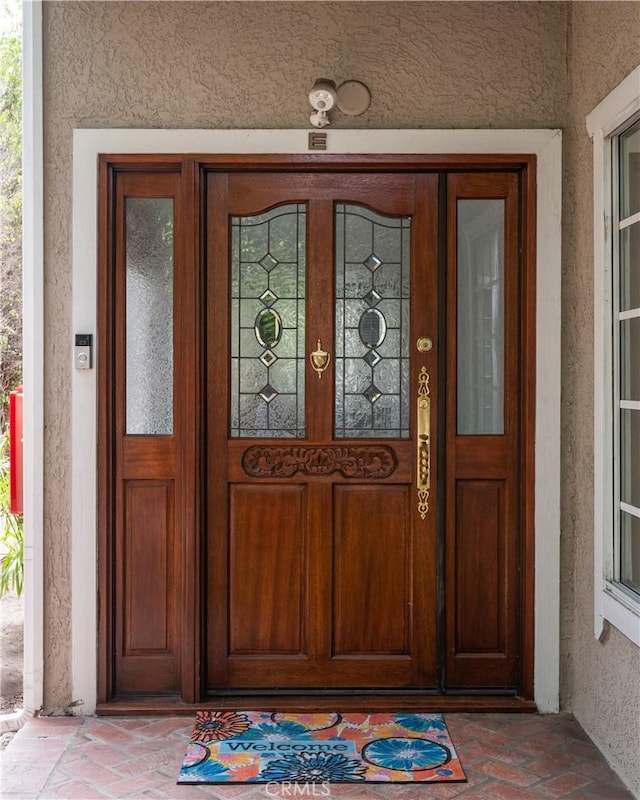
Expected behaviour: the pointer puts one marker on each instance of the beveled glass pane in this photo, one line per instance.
(630, 457)
(480, 324)
(268, 345)
(630, 267)
(372, 324)
(630, 550)
(149, 315)
(372, 328)
(630, 171)
(630, 359)
(268, 327)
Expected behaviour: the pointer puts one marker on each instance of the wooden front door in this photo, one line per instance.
(322, 548)
(267, 524)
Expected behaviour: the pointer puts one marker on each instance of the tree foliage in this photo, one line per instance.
(10, 203)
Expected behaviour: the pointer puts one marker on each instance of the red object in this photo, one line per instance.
(15, 452)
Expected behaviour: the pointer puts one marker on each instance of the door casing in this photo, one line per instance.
(188, 655)
(545, 145)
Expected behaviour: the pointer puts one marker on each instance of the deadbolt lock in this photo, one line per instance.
(424, 344)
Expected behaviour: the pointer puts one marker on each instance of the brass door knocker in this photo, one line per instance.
(319, 359)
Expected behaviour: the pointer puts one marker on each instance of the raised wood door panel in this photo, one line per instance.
(483, 423)
(372, 583)
(321, 571)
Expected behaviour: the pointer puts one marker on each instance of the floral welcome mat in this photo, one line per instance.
(258, 747)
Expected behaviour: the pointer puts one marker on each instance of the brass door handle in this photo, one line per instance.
(423, 444)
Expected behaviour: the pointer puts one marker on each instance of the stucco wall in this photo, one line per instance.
(600, 681)
(144, 64)
(434, 65)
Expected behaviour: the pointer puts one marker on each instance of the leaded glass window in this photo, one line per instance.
(267, 323)
(372, 324)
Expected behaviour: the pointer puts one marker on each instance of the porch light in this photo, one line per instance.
(351, 97)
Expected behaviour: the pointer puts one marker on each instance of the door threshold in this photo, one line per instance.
(488, 704)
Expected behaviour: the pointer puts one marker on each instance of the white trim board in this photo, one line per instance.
(33, 354)
(545, 144)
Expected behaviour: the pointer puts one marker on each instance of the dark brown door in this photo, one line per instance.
(266, 526)
(322, 546)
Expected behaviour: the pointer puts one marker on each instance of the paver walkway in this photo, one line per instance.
(505, 757)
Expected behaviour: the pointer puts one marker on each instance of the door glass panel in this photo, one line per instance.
(480, 278)
(630, 550)
(267, 323)
(372, 324)
(630, 457)
(149, 315)
(630, 171)
(630, 267)
(630, 359)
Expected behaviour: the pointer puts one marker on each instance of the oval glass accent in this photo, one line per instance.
(268, 327)
(372, 328)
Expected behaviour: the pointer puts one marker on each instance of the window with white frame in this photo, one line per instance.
(626, 340)
(615, 128)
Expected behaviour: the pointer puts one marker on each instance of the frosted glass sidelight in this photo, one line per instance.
(149, 315)
(480, 323)
(372, 324)
(267, 323)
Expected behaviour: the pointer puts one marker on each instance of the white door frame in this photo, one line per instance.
(545, 144)
(33, 353)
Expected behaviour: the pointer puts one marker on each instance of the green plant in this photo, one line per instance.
(11, 539)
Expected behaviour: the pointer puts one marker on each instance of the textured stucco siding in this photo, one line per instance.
(430, 65)
(250, 65)
(600, 681)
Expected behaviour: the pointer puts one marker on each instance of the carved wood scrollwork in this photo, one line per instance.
(351, 462)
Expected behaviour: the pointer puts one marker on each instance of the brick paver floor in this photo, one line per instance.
(505, 757)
